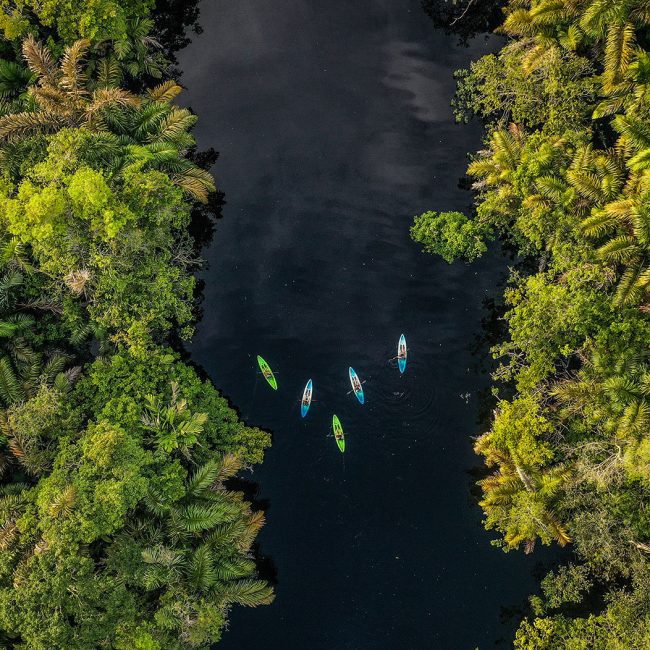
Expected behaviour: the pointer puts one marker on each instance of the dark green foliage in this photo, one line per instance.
(465, 18)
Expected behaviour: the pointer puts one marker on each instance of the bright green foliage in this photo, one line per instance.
(565, 179)
(568, 585)
(173, 426)
(87, 607)
(624, 624)
(120, 390)
(112, 240)
(554, 91)
(94, 483)
(449, 234)
(136, 501)
(129, 131)
(118, 527)
(519, 430)
(101, 201)
(548, 321)
(96, 20)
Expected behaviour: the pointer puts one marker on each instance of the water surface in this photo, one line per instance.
(334, 127)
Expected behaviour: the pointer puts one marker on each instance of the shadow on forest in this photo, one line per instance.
(465, 19)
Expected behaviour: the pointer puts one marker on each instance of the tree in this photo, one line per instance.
(97, 21)
(563, 179)
(449, 234)
(151, 132)
(118, 525)
(118, 511)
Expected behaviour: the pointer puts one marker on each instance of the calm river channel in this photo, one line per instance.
(334, 128)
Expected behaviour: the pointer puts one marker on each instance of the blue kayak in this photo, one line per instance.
(401, 353)
(356, 385)
(306, 399)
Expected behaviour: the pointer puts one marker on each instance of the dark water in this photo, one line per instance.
(334, 127)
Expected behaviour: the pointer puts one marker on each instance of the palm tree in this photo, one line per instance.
(620, 393)
(574, 23)
(173, 425)
(596, 176)
(22, 369)
(496, 165)
(63, 95)
(139, 53)
(157, 134)
(630, 397)
(201, 543)
(497, 171)
(518, 499)
(14, 79)
(622, 217)
(146, 130)
(12, 506)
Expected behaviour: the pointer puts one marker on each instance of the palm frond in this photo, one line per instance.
(39, 58)
(249, 593)
(201, 572)
(164, 92)
(197, 182)
(18, 125)
(73, 78)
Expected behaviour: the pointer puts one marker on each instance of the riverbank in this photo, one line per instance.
(118, 529)
(563, 179)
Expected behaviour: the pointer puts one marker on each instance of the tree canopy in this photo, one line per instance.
(120, 526)
(564, 179)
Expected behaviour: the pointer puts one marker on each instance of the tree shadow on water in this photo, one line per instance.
(266, 568)
(174, 23)
(466, 18)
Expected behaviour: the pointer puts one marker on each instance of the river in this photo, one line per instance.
(334, 128)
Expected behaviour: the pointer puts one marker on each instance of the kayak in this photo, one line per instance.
(306, 399)
(401, 353)
(338, 433)
(267, 372)
(356, 385)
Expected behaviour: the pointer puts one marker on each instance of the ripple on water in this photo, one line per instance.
(406, 401)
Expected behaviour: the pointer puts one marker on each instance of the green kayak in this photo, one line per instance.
(267, 372)
(338, 433)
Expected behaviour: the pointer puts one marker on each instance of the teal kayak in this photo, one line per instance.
(401, 353)
(356, 385)
(306, 399)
